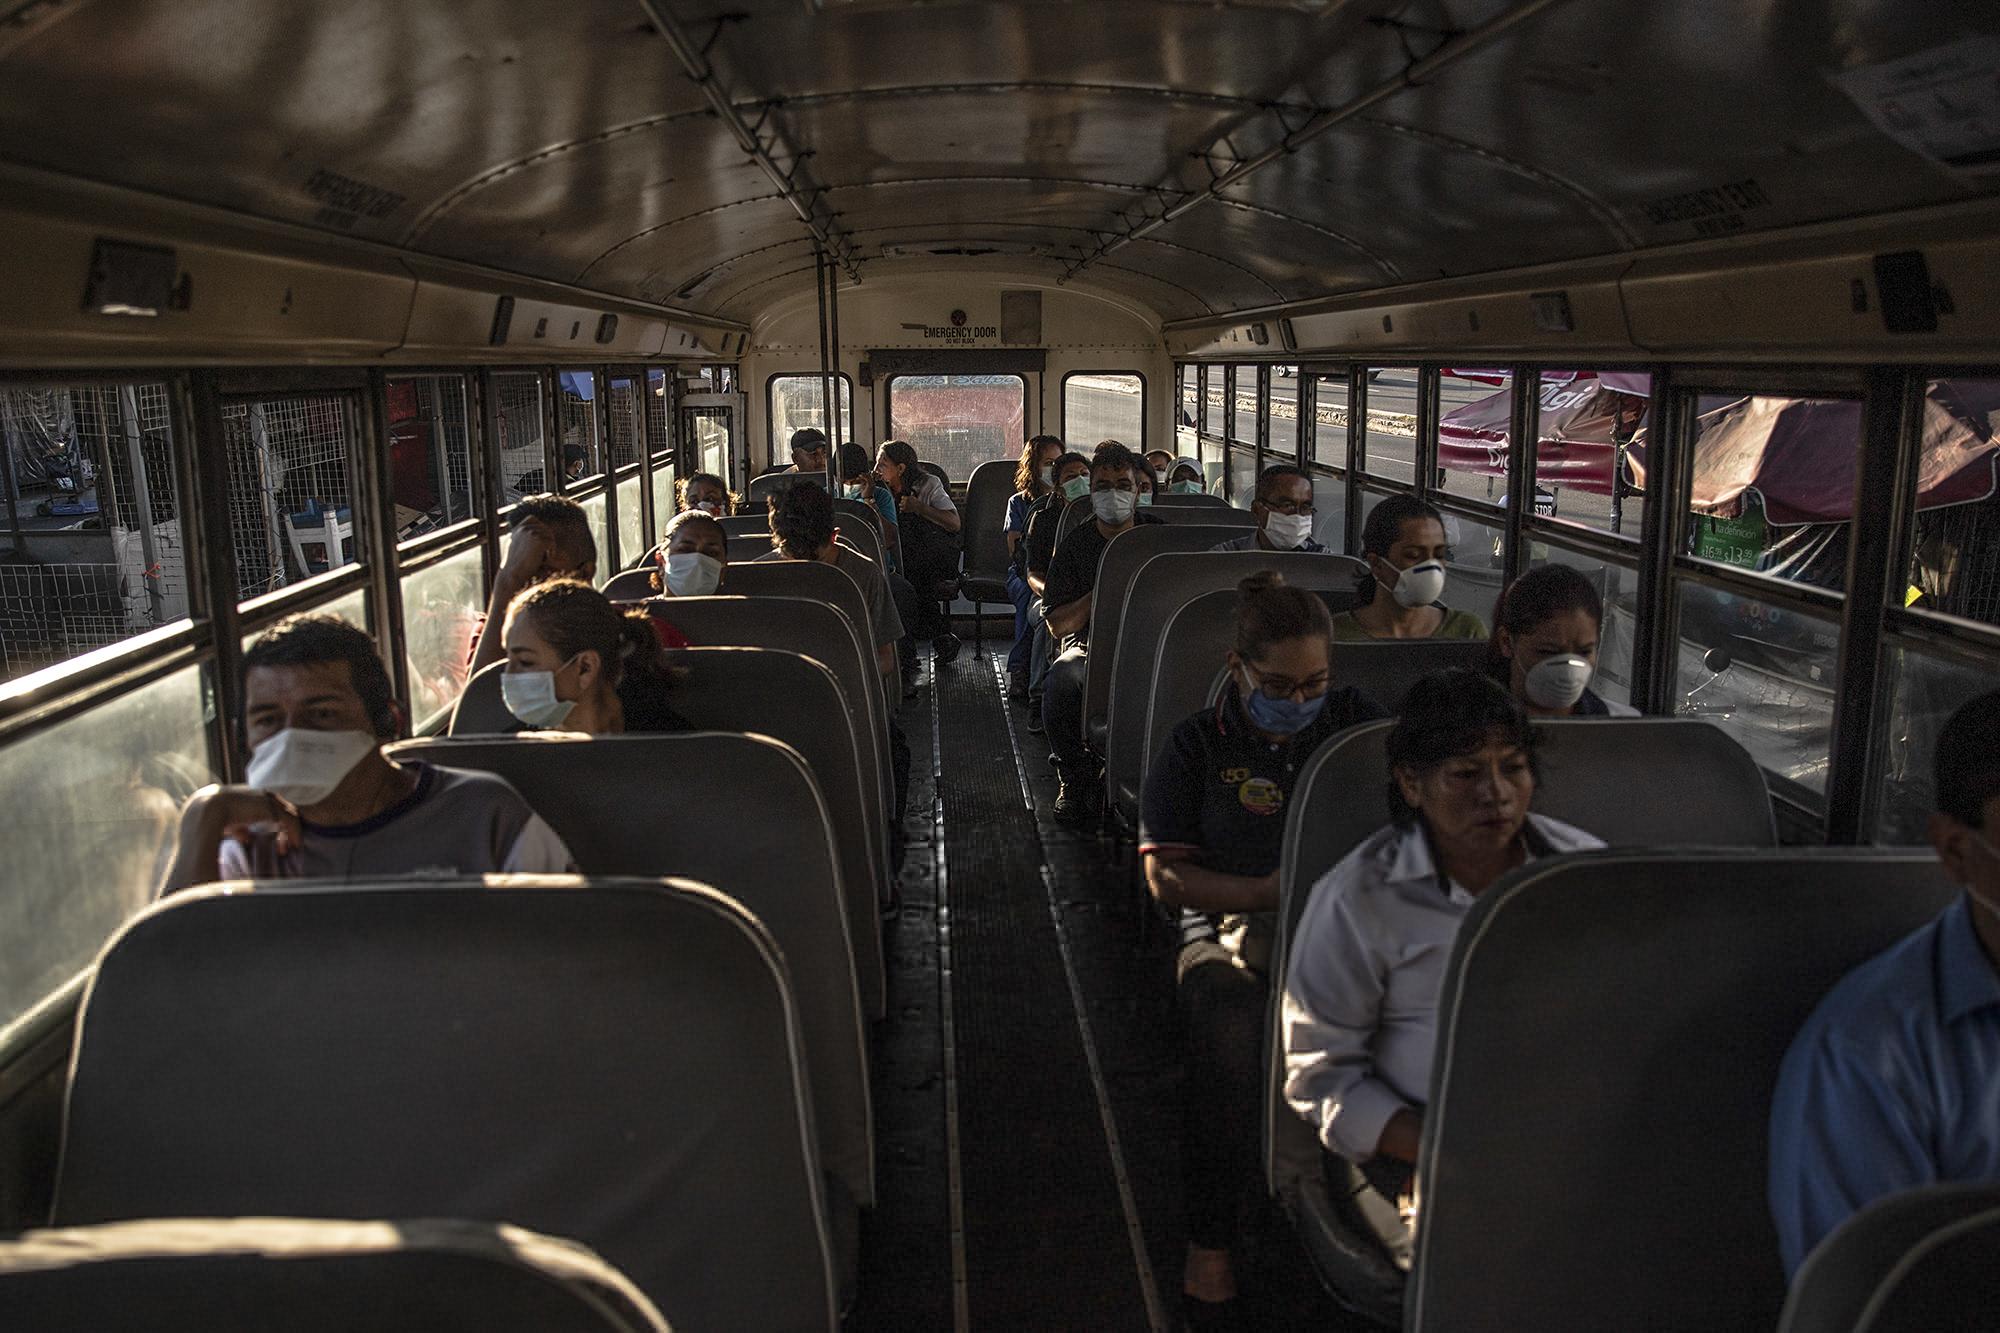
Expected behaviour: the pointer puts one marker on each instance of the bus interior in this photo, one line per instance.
(298, 303)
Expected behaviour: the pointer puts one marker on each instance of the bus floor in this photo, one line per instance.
(1026, 1077)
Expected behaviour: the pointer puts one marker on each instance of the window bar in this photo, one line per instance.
(1229, 433)
(828, 386)
(202, 461)
(649, 521)
(1357, 451)
(1877, 560)
(1263, 421)
(1669, 475)
(375, 488)
(1523, 430)
(613, 557)
(1305, 406)
(1428, 381)
(836, 420)
(552, 468)
(482, 427)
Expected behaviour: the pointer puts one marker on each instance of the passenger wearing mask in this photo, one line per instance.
(708, 493)
(1404, 543)
(1283, 508)
(320, 799)
(1894, 1082)
(1210, 832)
(1070, 481)
(550, 540)
(575, 662)
(859, 482)
(1359, 1015)
(1184, 477)
(1147, 481)
(1034, 480)
(808, 450)
(802, 529)
(1544, 645)
(692, 556)
(1159, 460)
(1066, 599)
(930, 526)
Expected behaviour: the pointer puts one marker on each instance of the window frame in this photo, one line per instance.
(771, 441)
(1145, 403)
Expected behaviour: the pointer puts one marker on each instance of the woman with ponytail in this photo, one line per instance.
(1210, 831)
(575, 662)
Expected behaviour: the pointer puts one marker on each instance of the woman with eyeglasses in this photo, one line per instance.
(1211, 826)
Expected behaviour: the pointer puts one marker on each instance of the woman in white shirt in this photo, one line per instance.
(1368, 960)
(930, 538)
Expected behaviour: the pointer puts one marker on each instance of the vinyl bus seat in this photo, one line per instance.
(1227, 516)
(659, 805)
(253, 1274)
(983, 518)
(1170, 500)
(1611, 1029)
(815, 630)
(1591, 770)
(1116, 569)
(616, 1061)
(748, 537)
(1168, 638)
(1925, 1259)
(792, 699)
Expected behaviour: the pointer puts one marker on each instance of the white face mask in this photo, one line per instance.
(1557, 682)
(531, 697)
(692, 574)
(305, 766)
(1287, 532)
(1049, 475)
(1419, 585)
(1114, 507)
(712, 507)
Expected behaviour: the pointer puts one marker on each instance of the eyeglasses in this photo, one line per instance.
(1284, 687)
(1289, 507)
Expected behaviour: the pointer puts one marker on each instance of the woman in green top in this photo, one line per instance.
(1404, 544)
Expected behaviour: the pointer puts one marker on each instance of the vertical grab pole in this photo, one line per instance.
(142, 500)
(826, 398)
(837, 435)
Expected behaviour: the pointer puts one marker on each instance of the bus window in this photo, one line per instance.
(1329, 428)
(442, 604)
(430, 454)
(1282, 440)
(1593, 429)
(93, 523)
(798, 402)
(1187, 437)
(1618, 584)
(582, 450)
(1762, 672)
(1104, 407)
(1955, 540)
(1475, 420)
(1389, 444)
(1773, 488)
(93, 804)
(960, 421)
(517, 404)
(292, 514)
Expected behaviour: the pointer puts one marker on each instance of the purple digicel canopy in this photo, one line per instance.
(1798, 455)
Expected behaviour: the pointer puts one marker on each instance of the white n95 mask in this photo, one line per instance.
(305, 766)
(692, 574)
(1558, 682)
(1420, 584)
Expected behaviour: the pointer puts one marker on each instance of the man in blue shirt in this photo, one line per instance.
(1894, 1082)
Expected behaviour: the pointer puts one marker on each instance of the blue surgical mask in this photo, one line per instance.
(1186, 488)
(1076, 488)
(1145, 498)
(1281, 717)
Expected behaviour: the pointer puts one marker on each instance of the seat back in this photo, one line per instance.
(815, 630)
(1168, 652)
(1610, 1031)
(935, 471)
(762, 490)
(1226, 516)
(654, 806)
(1141, 585)
(614, 1061)
(252, 1274)
(1872, 1269)
(785, 696)
(634, 585)
(749, 537)
(983, 517)
(1596, 773)
(811, 581)
(1169, 500)
(481, 710)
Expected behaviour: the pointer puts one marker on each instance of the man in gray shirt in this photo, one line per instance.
(320, 798)
(1284, 512)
